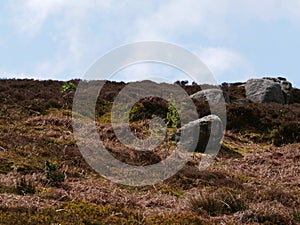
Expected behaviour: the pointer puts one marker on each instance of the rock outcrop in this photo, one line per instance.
(286, 88)
(215, 95)
(267, 90)
(210, 127)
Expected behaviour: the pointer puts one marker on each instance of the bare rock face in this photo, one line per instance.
(269, 90)
(215, 95)
(210, 127)
(286, 88)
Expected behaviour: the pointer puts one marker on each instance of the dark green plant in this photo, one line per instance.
(172, 118)
(52, 175)
(68, 86)
(24, 186)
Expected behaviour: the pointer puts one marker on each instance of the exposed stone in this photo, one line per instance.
(264, 91)
(214, 95)
(269, 89)
(286, 88)
(210, 127)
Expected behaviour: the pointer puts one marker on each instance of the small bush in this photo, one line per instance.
(52, 175)
(24, 187)
(172, 119)
(68, 86)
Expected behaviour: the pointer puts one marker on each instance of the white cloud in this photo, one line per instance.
(267, 10)
(185, 22)
(225, 64)
(174, 19)
(67, 21)
(31, 15)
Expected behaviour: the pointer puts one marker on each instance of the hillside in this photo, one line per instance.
(45, 180)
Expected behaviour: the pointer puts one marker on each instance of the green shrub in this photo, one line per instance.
(24, 186)
(172, 119)
(68, 86)
(52, 175)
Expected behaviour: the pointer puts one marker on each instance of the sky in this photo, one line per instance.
(236, 39)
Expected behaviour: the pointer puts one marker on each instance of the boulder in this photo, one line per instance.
(286, 88)
(215, 95)
(264, 91)
(209, 127)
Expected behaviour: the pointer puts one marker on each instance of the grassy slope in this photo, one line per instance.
(250, 181)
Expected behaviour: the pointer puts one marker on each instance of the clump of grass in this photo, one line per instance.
(24, 186)
(53, 176)
(218, 203)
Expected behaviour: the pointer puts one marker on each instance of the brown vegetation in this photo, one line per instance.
(44, 179)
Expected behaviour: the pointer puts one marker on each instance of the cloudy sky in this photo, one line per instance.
(236, 39)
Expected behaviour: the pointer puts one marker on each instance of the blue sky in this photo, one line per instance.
(237, 40)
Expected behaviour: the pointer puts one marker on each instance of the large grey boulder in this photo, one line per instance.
(215, 95)
(264, 91)
(286, 88)
(210, 127)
